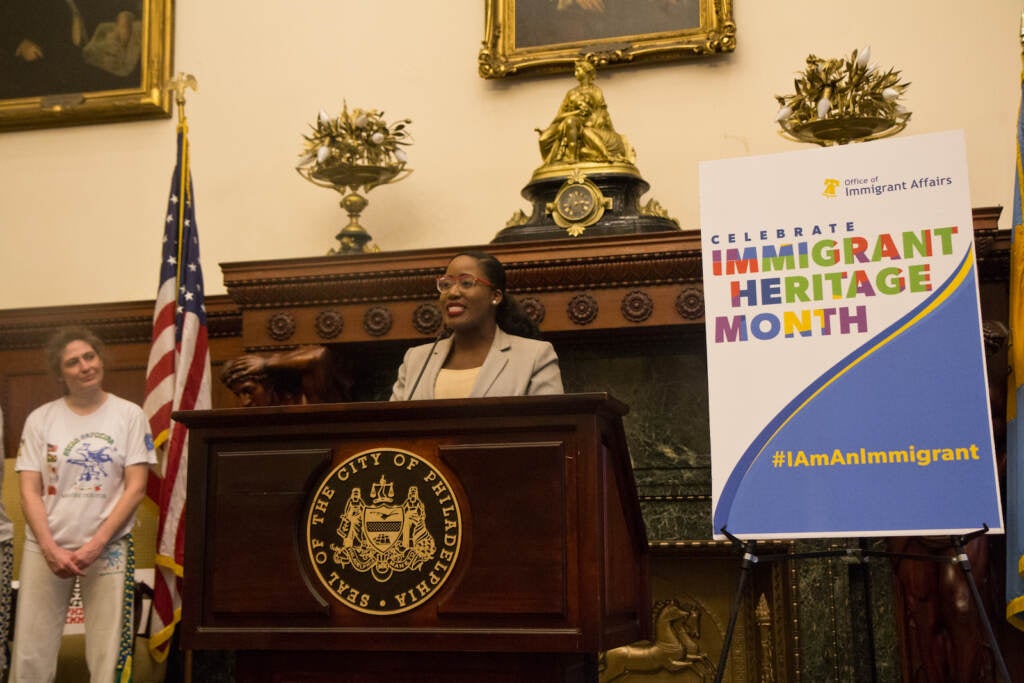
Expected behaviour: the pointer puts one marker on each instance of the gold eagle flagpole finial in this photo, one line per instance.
(178, 84)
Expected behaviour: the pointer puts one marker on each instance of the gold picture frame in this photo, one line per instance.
(544, 36)
(93, 69)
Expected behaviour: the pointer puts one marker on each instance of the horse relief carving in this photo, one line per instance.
(675, 649)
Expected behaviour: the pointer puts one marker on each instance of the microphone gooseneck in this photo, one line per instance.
(445, 331)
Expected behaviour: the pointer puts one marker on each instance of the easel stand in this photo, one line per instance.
(861, 555)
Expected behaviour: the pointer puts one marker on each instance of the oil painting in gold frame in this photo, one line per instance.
(75, 62)
(544, 36)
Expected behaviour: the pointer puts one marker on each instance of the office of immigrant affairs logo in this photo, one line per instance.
(383, 531)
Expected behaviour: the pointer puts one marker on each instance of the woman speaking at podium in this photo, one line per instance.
(487, 347)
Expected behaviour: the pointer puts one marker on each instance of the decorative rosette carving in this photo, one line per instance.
(636, 306)
(329, 324)
(582, 309)
(377, 321)
(533, 308)
(427, 318)
(281, 326)
(690, 303)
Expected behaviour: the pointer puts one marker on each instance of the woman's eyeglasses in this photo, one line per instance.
(464, 281)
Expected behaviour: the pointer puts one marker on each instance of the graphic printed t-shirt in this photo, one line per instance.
(81, 459)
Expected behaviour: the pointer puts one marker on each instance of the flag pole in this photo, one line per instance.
(179, 84)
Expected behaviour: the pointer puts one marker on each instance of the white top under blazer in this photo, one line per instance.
(514, 366)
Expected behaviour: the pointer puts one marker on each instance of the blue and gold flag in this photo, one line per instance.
(1015, 397)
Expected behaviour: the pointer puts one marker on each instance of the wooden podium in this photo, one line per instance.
(520, 515)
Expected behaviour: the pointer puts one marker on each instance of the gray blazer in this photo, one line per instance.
(515, 366)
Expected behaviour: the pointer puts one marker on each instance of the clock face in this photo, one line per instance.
(576, 202)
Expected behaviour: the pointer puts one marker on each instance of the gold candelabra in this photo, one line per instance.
(352, 152)
(837, 101)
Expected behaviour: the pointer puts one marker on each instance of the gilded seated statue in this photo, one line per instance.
(582, 130)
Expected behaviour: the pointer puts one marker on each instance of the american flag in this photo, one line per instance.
(177, 378)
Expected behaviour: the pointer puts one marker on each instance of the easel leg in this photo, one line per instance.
(749, 560)
(965, 564)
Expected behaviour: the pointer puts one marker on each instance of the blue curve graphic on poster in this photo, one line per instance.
(915, 390)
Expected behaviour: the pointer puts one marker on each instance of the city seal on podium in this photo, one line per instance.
(383, 531)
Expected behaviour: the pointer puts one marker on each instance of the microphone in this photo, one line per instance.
(445, 331)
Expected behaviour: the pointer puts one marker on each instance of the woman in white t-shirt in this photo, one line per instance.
(82, 467)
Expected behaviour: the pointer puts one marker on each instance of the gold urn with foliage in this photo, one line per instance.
(355, 152)
(843, 100)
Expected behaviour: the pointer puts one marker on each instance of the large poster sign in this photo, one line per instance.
(846, 368)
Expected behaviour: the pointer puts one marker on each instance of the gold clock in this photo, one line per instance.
(578, 204)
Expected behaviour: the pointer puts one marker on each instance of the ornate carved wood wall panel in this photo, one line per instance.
(569, 286)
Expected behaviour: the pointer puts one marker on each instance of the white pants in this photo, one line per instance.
(42, 608)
